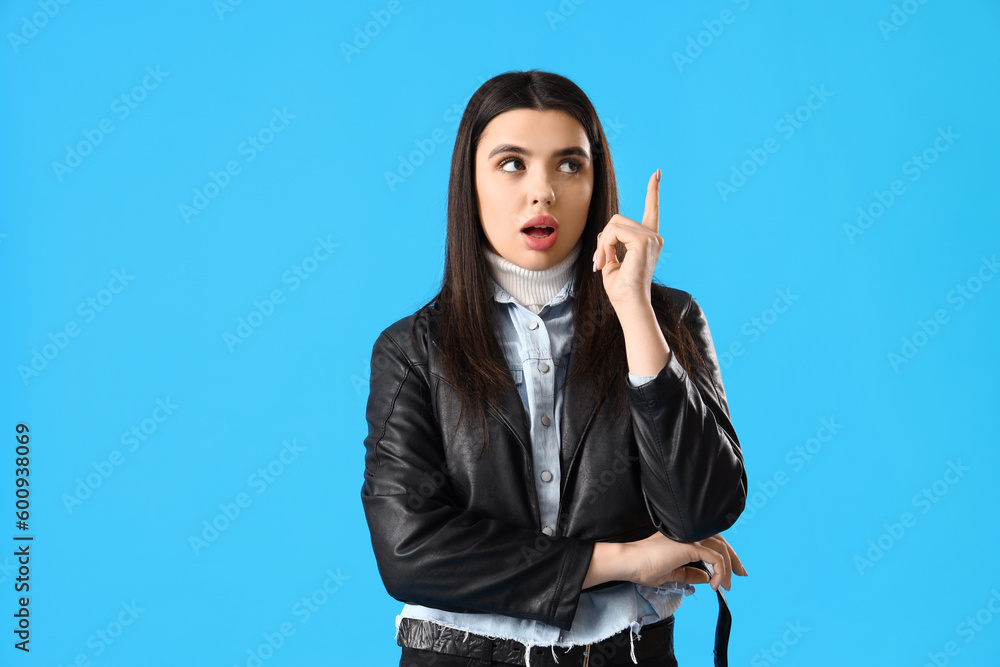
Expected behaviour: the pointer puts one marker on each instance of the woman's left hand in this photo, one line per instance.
(733, 564)
(729, 562)
(628, 282)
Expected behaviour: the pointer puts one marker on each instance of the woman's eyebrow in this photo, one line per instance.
(510, 148)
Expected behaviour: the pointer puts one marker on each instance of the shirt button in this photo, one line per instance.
(542, 366)
(532, 325)
(546, 476)
(545, 420)
(547, 530)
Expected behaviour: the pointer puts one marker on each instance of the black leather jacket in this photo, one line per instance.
(463, 535)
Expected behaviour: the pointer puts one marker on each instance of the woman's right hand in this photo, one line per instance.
(658, 559)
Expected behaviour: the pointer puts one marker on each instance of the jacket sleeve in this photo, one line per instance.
(429, 550)
(690, 459)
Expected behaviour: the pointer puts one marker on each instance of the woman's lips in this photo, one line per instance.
(539, 243)
(532, 227)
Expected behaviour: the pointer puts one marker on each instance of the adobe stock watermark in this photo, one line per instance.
(901, 13)
(381, 18)
(106, 636)
(588, 327)
(757, 325)
(563, 11)
(425, 147)
(796, 458)
(60, 340)
(259, 481)
(787, 125)
(595, 491)
(223, 7)
(31, 25)
(122, 106)
(428, 487)
(923, 500)
(303, 610)
(250, 148)
(968, 630)
(961, 294)
(779, 649)
(714, 28)
(915, 167)
(294, 276)
(132, 438)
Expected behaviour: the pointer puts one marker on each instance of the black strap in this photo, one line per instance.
(722, 626)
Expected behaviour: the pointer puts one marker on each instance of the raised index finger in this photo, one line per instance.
(651, 214)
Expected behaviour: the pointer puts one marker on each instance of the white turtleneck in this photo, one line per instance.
(532, 289)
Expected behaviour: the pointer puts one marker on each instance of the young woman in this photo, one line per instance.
(582, 497)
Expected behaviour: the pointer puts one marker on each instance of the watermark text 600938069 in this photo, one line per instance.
(22, 542)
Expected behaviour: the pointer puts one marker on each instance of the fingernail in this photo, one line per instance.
(595, 265)
(657, 174)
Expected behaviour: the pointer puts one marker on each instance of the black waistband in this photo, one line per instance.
(656, 640)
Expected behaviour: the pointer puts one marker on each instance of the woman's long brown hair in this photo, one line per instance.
(472, 358)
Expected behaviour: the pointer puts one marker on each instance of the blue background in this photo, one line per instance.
(228, 73)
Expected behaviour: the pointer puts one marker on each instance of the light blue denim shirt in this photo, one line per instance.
(537, 349)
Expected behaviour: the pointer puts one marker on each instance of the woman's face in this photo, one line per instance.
(533, 163)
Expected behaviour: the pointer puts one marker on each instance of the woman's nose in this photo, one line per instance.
(542, 192)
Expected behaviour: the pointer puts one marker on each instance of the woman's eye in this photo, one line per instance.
(573, 163)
